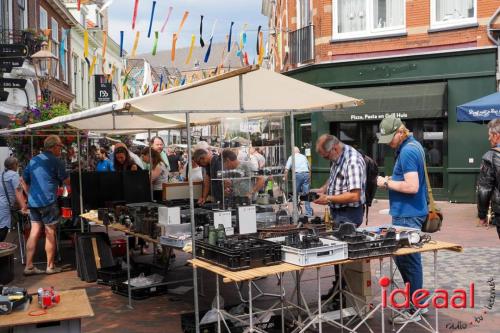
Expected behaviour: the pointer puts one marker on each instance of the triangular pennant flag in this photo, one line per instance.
(151, 18)
(134, 17)
(202, 43)
(168, 16)
(104, 44)
(207, 55)
(92, 65)
(261, 50)
(184, 18)
(86, 43)
(172, 51)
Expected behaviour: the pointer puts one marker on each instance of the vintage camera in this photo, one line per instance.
(311, 196)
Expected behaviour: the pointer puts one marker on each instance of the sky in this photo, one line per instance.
(224, 11)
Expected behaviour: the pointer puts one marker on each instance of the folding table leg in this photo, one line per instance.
(129, 290)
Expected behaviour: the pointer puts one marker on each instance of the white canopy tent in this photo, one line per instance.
(248, 92)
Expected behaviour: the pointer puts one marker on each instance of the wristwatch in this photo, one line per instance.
(386, 184)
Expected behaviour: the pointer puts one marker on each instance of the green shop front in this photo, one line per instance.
(423, 90)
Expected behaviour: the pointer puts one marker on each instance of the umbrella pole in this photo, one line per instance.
(80, 178)
(193, 231)
(294, 178)
(150, 165)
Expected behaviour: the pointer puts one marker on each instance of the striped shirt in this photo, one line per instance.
(346, 174)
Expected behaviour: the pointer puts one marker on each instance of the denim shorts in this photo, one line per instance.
(47, 215)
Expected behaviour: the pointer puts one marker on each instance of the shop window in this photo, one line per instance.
(44, 19)
(433, 136)
(304, 13)
(449, 13)
(364, 18)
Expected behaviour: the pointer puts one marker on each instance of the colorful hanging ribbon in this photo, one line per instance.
(184, 18)
(92, 65)
(207, 55)
(61, 47)
(229, 41)
(246, 59)
(161, 81)
(258, 35)
(121, 43)
(86, 43)
(155, 43)
(151, 18)
(202, 43)
(261, 49)
(172, 51)
(136, 42)
(104, 44)
(79, 4)
(191, 48)
(168, 16)
(134, 17)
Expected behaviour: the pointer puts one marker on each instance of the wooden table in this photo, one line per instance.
(65, 316)
(280, 269)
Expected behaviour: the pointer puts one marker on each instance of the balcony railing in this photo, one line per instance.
(9, 36)
(302, 45)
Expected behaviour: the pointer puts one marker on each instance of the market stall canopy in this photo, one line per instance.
(480, 110)
(248, 92)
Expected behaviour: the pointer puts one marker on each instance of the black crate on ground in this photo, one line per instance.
(139, 293)
(188, 325)
(260, 253)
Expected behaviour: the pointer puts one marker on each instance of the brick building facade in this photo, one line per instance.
(416, 58)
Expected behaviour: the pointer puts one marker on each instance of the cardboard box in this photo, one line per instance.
(360, 282)
(362, 265)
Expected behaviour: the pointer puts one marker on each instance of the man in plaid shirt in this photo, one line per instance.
(344, 191)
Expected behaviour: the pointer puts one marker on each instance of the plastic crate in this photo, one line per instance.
(331, 251)
(360, 246)
(372, 252)
(262, 253)
(140, 293)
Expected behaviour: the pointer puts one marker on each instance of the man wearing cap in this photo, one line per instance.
(407, 199)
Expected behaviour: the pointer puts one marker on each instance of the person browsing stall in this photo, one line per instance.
(247, 186)
(344, 190)
(123, 161)
(103, 162)
(488, 184)
(407, 198)
(302, 175)
(212, 163)
(11, 192)
(158, 145)
(43, 175)
(159, 172)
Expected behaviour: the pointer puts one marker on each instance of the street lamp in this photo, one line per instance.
(44, 61)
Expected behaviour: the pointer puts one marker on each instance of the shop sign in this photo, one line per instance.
(12, 83)
(103, 89)
(6, 64)
(13, 50)
(377, 116)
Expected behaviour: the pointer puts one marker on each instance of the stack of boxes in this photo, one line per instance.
(359, 278)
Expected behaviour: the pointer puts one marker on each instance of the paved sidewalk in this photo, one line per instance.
(478, 263)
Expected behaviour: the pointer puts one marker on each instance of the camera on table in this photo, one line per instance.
(311, 196)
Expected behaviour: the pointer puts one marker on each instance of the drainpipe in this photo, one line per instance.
(496, 42)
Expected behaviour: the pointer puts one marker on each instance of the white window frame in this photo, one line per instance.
(45, 17)
(451, 23)
(301, 24)
(370, 31)
(66, 58)
(55, 33)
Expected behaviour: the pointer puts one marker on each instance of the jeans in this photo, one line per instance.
(347, 214)
(410, 266)
(302, 186)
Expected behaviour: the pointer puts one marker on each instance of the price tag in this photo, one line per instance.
(247, 220)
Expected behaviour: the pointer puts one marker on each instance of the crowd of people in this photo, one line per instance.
(344, 193)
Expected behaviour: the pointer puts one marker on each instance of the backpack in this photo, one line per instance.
(371, 182)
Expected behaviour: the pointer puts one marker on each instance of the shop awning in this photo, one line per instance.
(409, 101)
(247, 92)
(480, 110)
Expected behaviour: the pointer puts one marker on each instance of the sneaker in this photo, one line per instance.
(406, 317)
(53, 270)
(32, 271)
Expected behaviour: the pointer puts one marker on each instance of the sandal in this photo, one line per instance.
(53, 270)
(33, 271)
